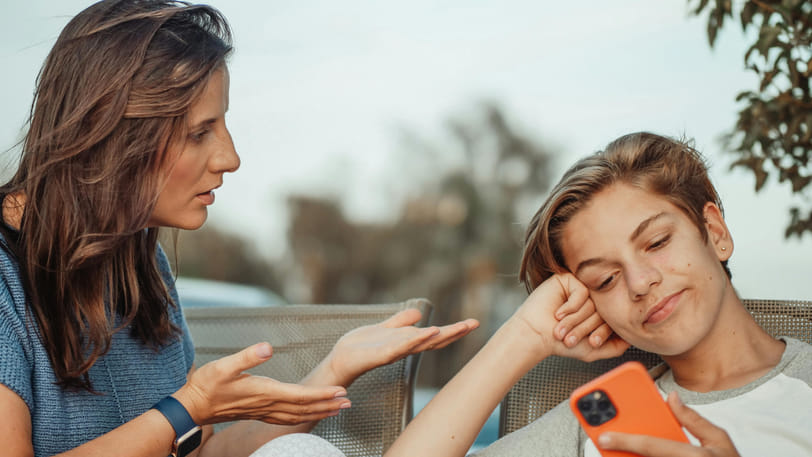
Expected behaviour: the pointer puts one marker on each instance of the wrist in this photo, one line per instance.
(335, 371)
(188, 433)
(185, 395)
(526, 339)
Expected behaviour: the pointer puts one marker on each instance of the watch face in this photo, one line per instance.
(189, 442)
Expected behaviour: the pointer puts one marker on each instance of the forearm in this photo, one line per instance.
(451, 421)
(245, 437)
(148, 435)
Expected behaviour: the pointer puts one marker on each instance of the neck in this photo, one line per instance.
(737, 351)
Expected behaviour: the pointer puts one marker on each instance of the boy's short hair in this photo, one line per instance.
(665, 166)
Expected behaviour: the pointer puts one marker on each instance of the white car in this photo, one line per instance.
(205, 293)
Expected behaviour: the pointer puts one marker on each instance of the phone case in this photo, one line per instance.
(626, 400)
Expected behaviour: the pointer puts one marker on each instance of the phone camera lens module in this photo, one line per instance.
(596, 408)
(594, 419)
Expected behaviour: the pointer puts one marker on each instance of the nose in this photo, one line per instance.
(226, 159)
(641, 277)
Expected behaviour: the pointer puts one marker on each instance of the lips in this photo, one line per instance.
(207, 197)
(663, 309)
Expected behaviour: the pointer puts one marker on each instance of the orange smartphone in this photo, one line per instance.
(626, 400)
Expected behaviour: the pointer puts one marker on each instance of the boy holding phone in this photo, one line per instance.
(631, 248)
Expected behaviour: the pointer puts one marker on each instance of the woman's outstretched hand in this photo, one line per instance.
(714, 441)
(371, 346)
(221, 391)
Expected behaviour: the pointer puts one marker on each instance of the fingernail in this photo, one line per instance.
(341, 393)
(345, 405)
(596, 340)
(572, 340)
(604, 440)
(562, 331)
(263, 351)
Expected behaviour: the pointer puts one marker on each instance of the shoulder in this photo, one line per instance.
(18, 339)
(13, 305)
(556, 432)
(798, 357)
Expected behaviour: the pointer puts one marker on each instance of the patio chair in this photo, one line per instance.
(552, 380)
(301, 336)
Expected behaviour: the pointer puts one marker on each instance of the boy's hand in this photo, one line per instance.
(562, 295)
(578, 319)
(715, 442)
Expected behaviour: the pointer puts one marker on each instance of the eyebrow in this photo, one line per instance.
(636, 233)
(202, 123)
(644, 225)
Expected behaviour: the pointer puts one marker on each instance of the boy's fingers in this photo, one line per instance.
(582, 329)
(704, 430)
(613, 347)
(600, 335)
(646, 446)
(577, 295)
(576, 318)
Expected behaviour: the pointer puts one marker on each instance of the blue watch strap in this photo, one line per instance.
(176, 414)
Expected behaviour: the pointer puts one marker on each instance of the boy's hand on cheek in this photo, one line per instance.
(577, 321)
(562, 314)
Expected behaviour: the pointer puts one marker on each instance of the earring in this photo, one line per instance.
(724, 248)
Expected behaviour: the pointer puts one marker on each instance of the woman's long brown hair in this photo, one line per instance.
(110, 105)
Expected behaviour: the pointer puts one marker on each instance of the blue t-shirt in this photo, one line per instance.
(130, 378)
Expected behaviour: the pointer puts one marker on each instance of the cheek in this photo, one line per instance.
(607, 309)
(183, 175)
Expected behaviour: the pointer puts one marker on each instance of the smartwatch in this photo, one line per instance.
(187, 433)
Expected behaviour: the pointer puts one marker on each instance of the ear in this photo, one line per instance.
(718, 235)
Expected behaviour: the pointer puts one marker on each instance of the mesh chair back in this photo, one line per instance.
(301, 336)
(552, 380)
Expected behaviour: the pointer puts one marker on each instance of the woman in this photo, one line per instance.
(632, 241)
(127, 134)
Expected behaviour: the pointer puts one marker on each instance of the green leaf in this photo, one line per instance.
(767, 36)
(747, 13)
(767, 79)
(756, 165)
(798, 225)
(799, 182)
(791, 4)
(785, 12)
(701, 6)
(712, 29)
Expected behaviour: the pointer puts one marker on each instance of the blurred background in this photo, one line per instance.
(398, 149)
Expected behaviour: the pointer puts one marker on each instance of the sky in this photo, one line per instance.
(321, 89)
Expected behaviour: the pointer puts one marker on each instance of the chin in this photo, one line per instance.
(189, 223)
(670, 347)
